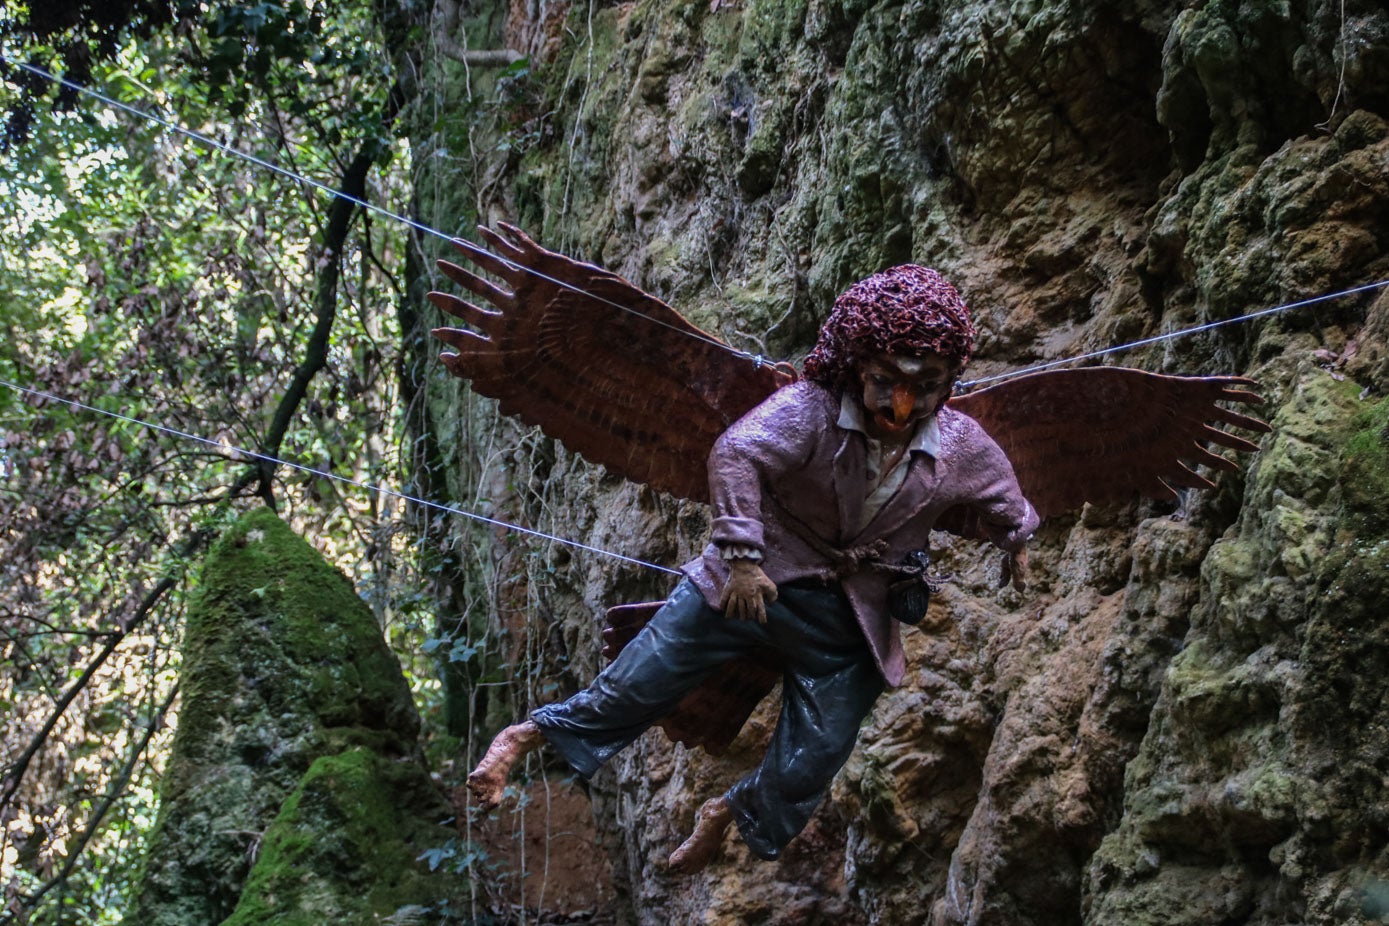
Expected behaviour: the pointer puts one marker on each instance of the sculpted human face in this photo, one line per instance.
(900, 392)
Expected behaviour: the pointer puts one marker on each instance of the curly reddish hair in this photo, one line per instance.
(907, 311)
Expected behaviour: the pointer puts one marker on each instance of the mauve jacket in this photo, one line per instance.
(789, 455)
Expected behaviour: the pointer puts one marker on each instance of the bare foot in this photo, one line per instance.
(488, 780)
(699, 850)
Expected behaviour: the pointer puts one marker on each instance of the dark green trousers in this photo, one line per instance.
(829, 684)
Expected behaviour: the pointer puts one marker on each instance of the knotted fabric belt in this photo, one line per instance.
(848, 561)
(909, 593)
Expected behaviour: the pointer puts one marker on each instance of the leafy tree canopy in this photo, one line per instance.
(154, 279)
(78, 34)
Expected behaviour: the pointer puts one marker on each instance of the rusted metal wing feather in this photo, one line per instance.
(1104, 434)
(613, 373)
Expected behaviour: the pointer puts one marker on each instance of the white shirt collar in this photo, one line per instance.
(926, 438)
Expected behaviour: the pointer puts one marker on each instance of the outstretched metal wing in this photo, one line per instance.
(612, 372)
(1104, 434)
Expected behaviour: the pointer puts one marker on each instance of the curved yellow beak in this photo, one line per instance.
(903, 401)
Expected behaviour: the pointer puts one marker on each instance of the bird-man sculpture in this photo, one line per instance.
(824, 489)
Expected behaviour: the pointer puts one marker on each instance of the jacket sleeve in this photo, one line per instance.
(994, 508)
(775, 437)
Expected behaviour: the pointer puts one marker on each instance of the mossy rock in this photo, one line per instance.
(1366, 473)
(283, 665)
(344, 848)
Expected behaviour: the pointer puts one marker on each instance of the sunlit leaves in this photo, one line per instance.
(150, 278)
(73, 37)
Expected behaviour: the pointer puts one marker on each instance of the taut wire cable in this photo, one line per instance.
(252, 455)
(1172, 335)
(370, 207)
(757, 359)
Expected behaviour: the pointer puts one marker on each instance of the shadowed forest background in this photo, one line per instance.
(242, 675)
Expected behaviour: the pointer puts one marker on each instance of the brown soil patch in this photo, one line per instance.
(544, 862)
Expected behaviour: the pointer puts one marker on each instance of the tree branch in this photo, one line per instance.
(113, 793)
(14, 776)
(353, 184)
(444, 27)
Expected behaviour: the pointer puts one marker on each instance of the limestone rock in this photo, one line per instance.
(295, 787)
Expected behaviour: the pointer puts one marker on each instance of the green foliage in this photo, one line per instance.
(305, 58)
(150, 278)
(78, 34)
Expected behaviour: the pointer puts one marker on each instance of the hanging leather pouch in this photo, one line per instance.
(909, 596)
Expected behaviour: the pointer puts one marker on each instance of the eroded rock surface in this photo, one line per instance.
(1182, 720)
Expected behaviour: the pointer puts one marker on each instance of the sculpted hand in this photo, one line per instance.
(1014, 569)
(748, 592)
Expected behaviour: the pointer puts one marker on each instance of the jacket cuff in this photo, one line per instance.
(731, 531)
(1017, 538)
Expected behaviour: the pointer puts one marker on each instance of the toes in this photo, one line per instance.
(486, 792)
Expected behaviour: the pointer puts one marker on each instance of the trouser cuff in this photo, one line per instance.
(573, 748)
(750, 828)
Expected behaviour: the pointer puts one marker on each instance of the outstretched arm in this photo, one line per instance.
(995, 510)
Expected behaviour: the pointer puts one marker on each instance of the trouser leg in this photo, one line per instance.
(830, 684)
(684, 642)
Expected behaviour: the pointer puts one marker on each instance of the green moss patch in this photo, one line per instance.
(1366, 473)
(283, 667)
(343, 848)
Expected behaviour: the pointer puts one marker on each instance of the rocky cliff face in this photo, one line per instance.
(1182, 721)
